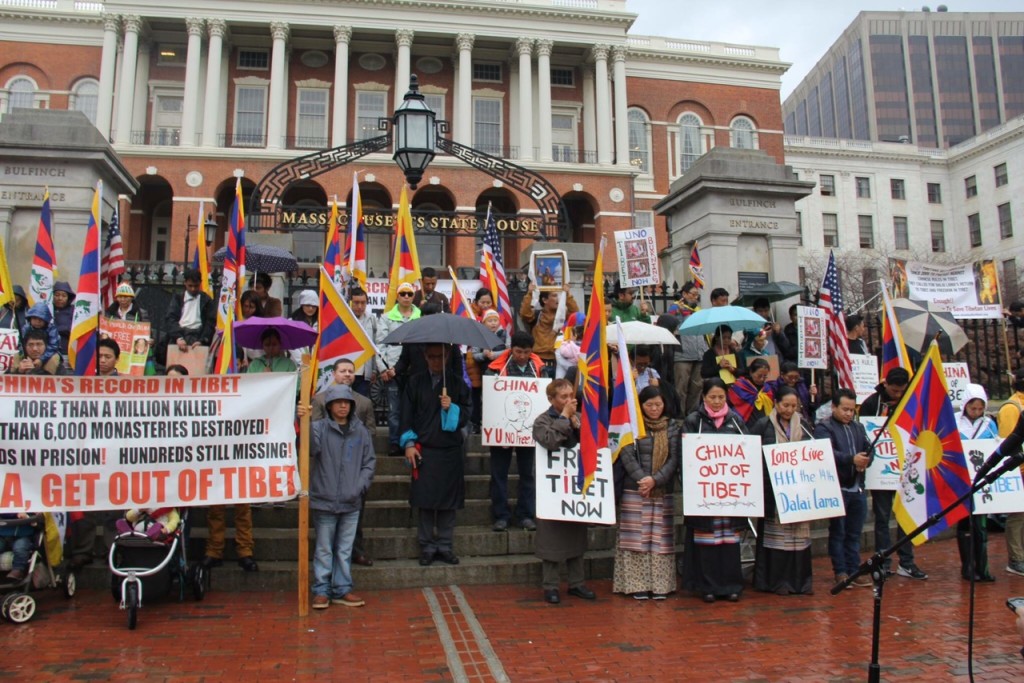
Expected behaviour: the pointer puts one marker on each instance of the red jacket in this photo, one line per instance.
(499, 365)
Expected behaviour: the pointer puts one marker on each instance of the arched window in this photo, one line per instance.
(639, 141)
(691, 143)
(85, 96)
(21, 93)
(742, 134)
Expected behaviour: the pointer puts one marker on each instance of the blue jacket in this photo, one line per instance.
(847, 441)
(42, 311)
(342, 465)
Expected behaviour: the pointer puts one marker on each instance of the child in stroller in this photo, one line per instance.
(32, 556)
(155, 523)
(19, 540)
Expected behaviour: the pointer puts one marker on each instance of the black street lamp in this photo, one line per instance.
(211, 232)
(415, 134)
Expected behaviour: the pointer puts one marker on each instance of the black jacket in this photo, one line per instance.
(207, 318)
(637, 458)
(878, 403)
(847, 441)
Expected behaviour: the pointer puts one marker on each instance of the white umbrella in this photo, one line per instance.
(637, 332)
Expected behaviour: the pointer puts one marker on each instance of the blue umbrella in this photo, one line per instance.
(707, 320)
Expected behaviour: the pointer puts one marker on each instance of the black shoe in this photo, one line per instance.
(583, 592)
(551, 596)
(448, 557)
(362, 560)
(248, 564)
(734, 597)
(500, 525)
(210, 562)
(528, 524)
(708, 597)
(426, 558)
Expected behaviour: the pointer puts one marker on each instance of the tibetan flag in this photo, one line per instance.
(6, 288)
(332, 250)
(492, 272)
(226, 363)
(406, 264)
(111, 262)
(341, 334)
(625, 425)
(236, 228)
(931, 456)
(84, 323)
(593, 375)
(458, 301)
(745, 397)
(202, 259)
(232, 278)
(354, 258)
(44, 261)
(894, 351)
(696, 267)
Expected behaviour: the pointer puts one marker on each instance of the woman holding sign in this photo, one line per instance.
(783, 561)
(713, 569)
(645, 551)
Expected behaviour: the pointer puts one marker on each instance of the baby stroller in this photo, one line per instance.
(18, 605)
(142, 563)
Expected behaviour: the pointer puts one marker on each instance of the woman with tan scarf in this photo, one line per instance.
(645, 552)
(783, 560)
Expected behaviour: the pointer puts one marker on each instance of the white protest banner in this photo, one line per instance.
(812, 347)
(804, 481)
(969, 290)
(883, 474)
(9, 341)
(559, 495)
(510, 405)
(637, 250)
(1005, 494)
(957, 379)
(865, 375)
(722, 475)
(107, 443)
(377, 291)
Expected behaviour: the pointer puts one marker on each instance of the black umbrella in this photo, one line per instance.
(920, 324)
(773, 291)
(444, 328)
(263, 258)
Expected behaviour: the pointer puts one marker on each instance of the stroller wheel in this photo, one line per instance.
(6, 603)
(199, 581)
(20, 607)
(131, 603)
(70, 584)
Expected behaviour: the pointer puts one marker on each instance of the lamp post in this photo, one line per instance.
(415, 134)
(211, 232)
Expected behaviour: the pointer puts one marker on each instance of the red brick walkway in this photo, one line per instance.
(257, 637)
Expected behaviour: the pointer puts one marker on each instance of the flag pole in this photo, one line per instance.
(304, 493)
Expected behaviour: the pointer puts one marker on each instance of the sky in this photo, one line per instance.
(802, 29)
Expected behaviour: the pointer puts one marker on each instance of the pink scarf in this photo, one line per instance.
(717, 416)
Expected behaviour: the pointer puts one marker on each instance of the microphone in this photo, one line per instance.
(1010, 445)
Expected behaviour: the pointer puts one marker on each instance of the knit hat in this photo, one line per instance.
(489, 313)
(308, 297)
(125, 289)
(406, 287)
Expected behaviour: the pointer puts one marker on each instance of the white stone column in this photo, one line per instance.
(108, 61)
(278, 86)
(403, 38)
(621, 104)
(339, 122)
(190, 101)
(524, 48)
(464, 114)
(132, 27)
(139, 106)
(217, 28)
(544, 98)
(589, 116)
(604, 115)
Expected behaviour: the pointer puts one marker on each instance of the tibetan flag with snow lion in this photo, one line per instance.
(933, 468)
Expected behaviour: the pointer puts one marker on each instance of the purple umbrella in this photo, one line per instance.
(294, 334)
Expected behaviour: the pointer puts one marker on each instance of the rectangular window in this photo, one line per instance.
(901, 235)
(311, 118)
(1002, 178)
(1009, 281)
(489, 72)
(171, 55)
(971, 186)
(863, 188)
(487, 125)
(563, 137)
(562, 76)
(866, 228)
(643, 219)
(934, 193)
(938, 237)
(827, 184)
(800, 227)
(370, 107)
(974, 229)
(435, 102)
(250, 116)
(1005, 221)
(255, 60)
(830, 229)
(898, 188)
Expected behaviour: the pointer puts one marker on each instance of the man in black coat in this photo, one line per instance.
(191, 316)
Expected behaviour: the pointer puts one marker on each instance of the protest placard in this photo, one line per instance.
(9, 342)
(865, 375)
(1005, 494)
(722, 475)
(133, 339)
(957, 379)
(107, 443)
(194, 359)
(884, 472)
(968, 290)
(804, 481)
(559, 495)
(812, 346)
(637, 250)
(510, 405)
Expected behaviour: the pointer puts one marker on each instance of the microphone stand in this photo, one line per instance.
(874, 565)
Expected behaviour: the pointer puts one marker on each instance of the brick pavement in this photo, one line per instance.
(494, 633)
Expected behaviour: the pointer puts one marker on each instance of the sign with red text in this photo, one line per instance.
(804, 481)
(883, 474)
(133, 339)
(1005, 494)
(108, 443)
(637, 250)
(510, 405)
(377, 292)
(9, 342)
(722, 475)
(957, 379)
(559, 496)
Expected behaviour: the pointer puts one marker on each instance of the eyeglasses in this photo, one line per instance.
(405, 294)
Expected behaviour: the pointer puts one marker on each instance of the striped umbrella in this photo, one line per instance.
(920, 324)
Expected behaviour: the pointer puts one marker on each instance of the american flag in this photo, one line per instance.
(830, 298)
(112, 261)
(492, 272)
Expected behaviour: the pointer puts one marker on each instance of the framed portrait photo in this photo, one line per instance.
(551, 269)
